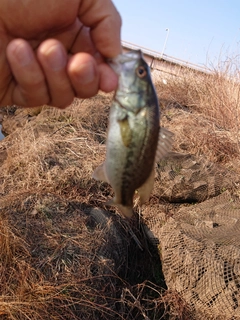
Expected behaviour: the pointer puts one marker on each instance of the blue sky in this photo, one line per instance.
(201, 32)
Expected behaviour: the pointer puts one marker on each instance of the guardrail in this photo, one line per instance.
(159, 56)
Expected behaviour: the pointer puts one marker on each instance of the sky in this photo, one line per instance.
(203, 32)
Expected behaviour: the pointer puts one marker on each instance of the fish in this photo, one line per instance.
(135, 140)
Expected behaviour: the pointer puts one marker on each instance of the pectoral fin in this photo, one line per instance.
(99, 173)
(164, 146)
(126, 132)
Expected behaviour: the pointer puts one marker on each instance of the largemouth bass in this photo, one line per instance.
(135, 140)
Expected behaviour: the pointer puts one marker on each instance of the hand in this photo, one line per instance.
(53, 50)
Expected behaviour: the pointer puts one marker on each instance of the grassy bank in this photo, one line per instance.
(52, 261)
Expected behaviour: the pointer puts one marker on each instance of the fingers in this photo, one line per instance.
(30, 89)
(51, 79)
(108, 78)
(53, 59)
(84, 74)
(105, 24)
(43, 80)
(48, 80)
(46, 75)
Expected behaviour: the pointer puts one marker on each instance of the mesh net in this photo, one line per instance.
(200, 242)
(186, 178)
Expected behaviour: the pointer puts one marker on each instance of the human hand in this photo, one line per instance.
(53, 50)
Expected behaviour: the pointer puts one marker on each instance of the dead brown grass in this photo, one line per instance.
(54, 161)
(54, 264)
(203, 112)
(50, 266)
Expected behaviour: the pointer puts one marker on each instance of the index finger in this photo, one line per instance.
(104, 21)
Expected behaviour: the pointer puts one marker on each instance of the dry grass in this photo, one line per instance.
(55, 263)
(203, 112)
(50, 261)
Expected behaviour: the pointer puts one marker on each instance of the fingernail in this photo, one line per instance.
(23, 55)
(85, 74)
(55, 58)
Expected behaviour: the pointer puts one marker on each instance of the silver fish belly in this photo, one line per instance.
(133, 134)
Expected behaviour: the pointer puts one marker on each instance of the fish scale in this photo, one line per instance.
(133, 134)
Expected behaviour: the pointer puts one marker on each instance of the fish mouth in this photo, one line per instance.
(117, 62)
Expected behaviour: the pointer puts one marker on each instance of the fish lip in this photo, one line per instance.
(115, 66)
(117, 62)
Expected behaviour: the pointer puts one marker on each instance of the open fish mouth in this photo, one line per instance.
(117, 62)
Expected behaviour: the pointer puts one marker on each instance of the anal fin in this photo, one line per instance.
(145, 190)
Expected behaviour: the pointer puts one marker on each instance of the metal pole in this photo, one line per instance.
(165, 43)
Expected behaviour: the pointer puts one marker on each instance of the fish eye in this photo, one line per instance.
(141, 72)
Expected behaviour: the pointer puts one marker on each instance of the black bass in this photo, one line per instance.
(135, 140)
